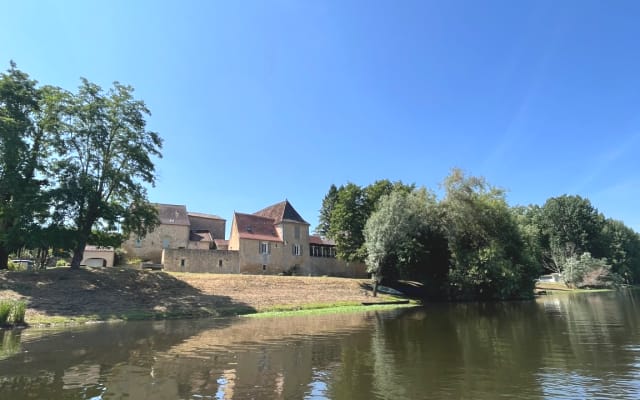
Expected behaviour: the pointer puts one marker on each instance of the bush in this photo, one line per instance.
(12, 312)
(61, 263)
(5, 312)
(18, 311)
(586, 271)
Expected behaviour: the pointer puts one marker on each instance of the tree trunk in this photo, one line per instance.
(375, 286)
(4, 258)
(78, 254)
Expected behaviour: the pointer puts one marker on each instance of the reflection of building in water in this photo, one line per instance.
(260, 358)
(226, 383)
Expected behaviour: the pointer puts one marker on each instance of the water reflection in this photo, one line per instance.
(564, 347)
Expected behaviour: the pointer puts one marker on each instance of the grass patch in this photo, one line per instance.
(328, 309)
(12, 312)
(5, 311)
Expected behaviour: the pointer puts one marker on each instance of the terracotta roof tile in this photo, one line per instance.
(281, 211)
(256, 227)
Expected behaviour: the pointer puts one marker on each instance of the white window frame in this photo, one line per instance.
(265, 248)
(297, 249)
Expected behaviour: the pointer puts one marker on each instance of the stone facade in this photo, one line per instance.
(178, 229)
(272, 241)
(165, 236)
(190, 260)
(205, 222)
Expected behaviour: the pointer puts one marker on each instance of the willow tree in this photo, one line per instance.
(402, 236)
(105, 161)
(487, 250)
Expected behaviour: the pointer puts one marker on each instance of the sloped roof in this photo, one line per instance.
(221, 242)
(201, 215)
(200, 236)
(256, 227)
(172, 214)
(317, 240)
(282, 211)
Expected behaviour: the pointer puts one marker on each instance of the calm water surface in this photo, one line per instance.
(557, 347)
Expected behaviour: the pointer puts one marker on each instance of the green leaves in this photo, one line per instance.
(72, 165)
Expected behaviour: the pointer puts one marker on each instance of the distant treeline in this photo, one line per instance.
(470, 244)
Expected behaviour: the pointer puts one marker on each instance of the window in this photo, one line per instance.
(296, 232)
(265, 248)
(220, 263)
(182, 262)
(297, 250)
(264, 267)
(166, 243)
(138, 242)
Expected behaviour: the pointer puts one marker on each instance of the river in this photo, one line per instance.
(570, 346)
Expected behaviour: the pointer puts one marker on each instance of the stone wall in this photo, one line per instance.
(319, 266)
(150, 246)
(191, 260)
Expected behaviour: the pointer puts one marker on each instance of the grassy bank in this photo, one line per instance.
(557, 287)
(61, 296)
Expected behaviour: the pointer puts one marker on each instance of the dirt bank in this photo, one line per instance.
(61, 295)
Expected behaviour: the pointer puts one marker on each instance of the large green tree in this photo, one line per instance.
(347, 210)
(571, 226)
(328, 203)
(487, 251)
(105, 159)
(622, 250)
(24, 142)
(404, 240)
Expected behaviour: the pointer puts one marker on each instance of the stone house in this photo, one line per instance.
(274, 240)
(178, 229)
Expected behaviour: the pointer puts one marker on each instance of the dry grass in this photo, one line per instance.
(63, 296)
(268, 292)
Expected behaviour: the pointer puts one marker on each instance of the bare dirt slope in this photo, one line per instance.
(111, 293)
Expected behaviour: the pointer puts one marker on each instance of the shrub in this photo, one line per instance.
(5, 311)
(61, 263)
(586, 271)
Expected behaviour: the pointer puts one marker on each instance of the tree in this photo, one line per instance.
(622, 250)
(349, 212)
(485, 243)
(105, 158)
(402, 237)
(24, 139)
(328, 203)
(571, 226)
(347, 222)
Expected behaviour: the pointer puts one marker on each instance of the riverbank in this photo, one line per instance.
(557, 287)
(62, 296)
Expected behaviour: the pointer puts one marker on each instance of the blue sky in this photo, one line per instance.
(259, 101)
